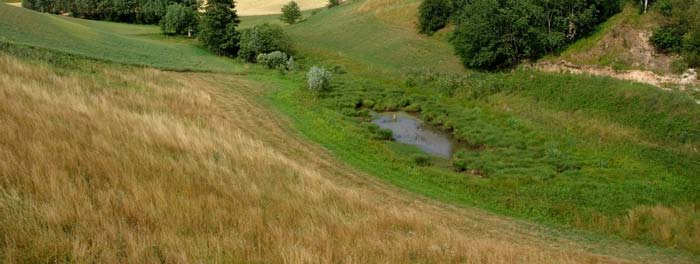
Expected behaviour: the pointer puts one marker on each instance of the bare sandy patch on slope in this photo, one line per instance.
(269, 7)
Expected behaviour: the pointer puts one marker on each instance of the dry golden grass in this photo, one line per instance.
(128, 165)
(669, 226)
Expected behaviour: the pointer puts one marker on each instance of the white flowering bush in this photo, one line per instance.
(273, 60)
(319, 79)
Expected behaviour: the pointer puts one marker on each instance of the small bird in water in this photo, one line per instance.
(394, 118)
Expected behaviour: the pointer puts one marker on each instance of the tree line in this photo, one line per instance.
(497, 34)
(131, 11)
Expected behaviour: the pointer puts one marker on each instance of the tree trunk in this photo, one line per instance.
(646, 5)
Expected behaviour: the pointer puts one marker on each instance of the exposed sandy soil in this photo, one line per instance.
(268, 7)
(642, 76)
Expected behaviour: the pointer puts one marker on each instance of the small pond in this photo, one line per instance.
(408, 129)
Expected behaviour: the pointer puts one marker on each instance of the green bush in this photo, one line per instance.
(679, 66)
(179, 20)
(691, 48)
(291, 13)
(433, 15)
(217, 30)
(264, 38)
(680, 29)
(318, 79)
(665, 39)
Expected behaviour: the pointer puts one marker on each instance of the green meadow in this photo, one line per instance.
(131, 44)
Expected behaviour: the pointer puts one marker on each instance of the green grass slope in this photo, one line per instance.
(132, 44)
(374, 38)
(593, 153)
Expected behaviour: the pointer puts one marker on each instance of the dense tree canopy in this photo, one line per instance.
(264, 38)
(217, 29)
(132, 11)
(494, 34)
(179, 20)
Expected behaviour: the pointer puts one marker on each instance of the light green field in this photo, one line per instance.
(371, 42)
(132, 44)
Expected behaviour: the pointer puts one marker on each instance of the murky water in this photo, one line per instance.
(410, 130)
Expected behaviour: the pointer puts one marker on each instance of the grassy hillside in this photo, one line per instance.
(109, 163)
(133, 44)
(375, 38)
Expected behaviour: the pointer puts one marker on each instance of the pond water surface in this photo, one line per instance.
(410, 130)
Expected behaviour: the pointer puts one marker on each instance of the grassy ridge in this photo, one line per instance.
(107, 41)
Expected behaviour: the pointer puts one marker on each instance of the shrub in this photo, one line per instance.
(665, 39)
(421, 160)
(691, 48)
(264, 38)
(273, 60)
(433, 15)
(319, 79)
(180, 20)
(217, 30)
(333, 3)
(290, 13)
(680, 29)
(291, 64)
(679, 66)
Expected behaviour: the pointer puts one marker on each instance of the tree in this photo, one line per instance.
(264, 38)
(180, 20)
(433, 15)
(290, 13)
(217, 29)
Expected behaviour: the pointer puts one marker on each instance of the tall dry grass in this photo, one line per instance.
(125, 165)
(677, 227)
